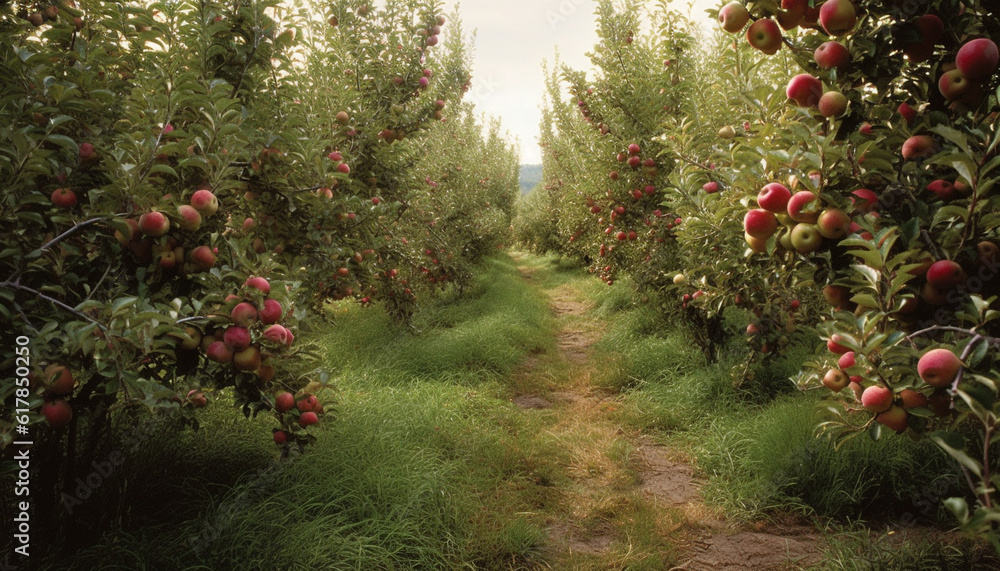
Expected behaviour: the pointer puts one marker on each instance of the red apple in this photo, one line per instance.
(836, 380)
(805, 90)
(244, 314)
(918, 147)
(894, 419)
(954, 85)
(876, 399)
(864, 200)
(87, 152)
(190, 217)
(203, 258)
(236, 338)
(284, 402)
(344, 168)
(804, 206)
(942, 189)
(204, 202)
(832, 104)
(833, 223)
(977, 59)
(277, 334)
(760, 223)
(63, 198)
(154, 224)
(710, 187)
(308, 418)
(307, 403)
(939, 367)
(765, 36)
(280, 436)
(837, 16)
(258, 283)
(59, 380)
(835, 346)
(791, 13)
(774, 198)
(913, 399)
(57, 413)
(733, 17)
(271, 312)
(908, 112)
(832, 55)
(847, 360)
(945, 274)
(218, 352)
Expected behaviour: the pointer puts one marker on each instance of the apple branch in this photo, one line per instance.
(70, 232)
(54, 301)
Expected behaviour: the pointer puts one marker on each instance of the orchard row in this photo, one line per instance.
(851, 201)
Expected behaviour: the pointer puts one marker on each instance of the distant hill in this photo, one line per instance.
(530, 176)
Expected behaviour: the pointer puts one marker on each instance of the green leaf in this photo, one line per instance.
(959, 508)
(954, 445)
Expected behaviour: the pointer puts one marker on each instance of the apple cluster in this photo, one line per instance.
(301, 408)
(253, 334)
(807, 221)
(150, 239)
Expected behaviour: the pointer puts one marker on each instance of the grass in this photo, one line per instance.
(426, 466)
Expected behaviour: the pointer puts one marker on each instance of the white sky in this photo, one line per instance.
(512, 39)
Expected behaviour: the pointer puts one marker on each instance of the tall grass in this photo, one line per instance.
(426, 465)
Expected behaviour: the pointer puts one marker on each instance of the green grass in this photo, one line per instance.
(426, 465)
(754, 441)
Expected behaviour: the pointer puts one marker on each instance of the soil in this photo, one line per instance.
(661, 475)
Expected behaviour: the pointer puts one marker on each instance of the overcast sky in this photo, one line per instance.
(512, 39)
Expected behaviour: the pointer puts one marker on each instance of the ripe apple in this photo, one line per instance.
(791, 13)
(218, 352)
(894, 419)
(271, 312)
(197, 398)
(913, 399)
(710, 187)
(307, 403)
(835, 346)
(342, 117)
(204, 202)
(977, 59)
(756, 244)
(837, 16)
(806, 238)
(308, 419)
(833, 223)
(908, 112)
(765, 36)
(344, 168)
(918, 147)
(259, 283)
(774, 198)
(832, 55)
(203, 258)
(805, 90)
(280, 436)
(733, 17)
(876, 399)
(57, 413)
(945, 274)
(634, 162)
(942, 189)
(836, 380)
(939, 367)
(804, 206)
(634, 149)
(63, 198)
(847, 360)
(864, 200)
(190, 217)
(247, 359)
(760, 223)
(954, 85)
(87, 152)
(236, 338)
(244, 314)
(832, 104)
(154, 224)
(277, 334)
(59, 380)
(284, 402)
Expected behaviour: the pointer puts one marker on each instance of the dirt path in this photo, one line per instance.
(630, 500)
